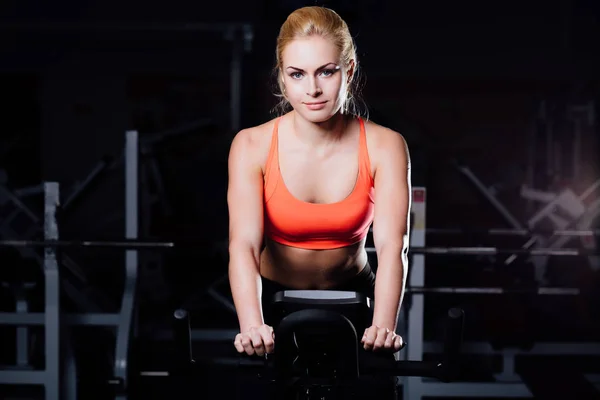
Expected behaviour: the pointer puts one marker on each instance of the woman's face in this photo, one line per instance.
(315, 83)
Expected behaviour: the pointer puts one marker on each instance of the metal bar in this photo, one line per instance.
(72, 292)
(17, 202)
(22, 332)
(81, 187)
(52, 292)
(539, 348)
(74, 269)
(493, 251)
(29, 191)
(25, 252)
(508, 373)
(32, 319)
(491, 198)
(21, 207)
(82, 299)
(155, 374)
(18, 377)
(547, 291)
(7, 221)
(209, 335)
(588, 192)
(479, 390)
(131, 259)
(123, 244)
(549, 210)
(512, 232)
(69, 373)
(416, 278)
(157, 245)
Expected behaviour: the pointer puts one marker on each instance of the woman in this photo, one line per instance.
(305, 188)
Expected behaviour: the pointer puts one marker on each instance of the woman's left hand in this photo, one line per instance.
(381, 339)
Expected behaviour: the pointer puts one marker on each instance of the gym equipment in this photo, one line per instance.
(565, 212)
(118, 244)
(49, 376)
(507, 382)
(512, 232)
(23, 211)
(123, 321)
(56, 342)
(20, 220)
(326, 322)
(540, 291)
(157, 245)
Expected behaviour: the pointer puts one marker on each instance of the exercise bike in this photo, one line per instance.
(318, 354)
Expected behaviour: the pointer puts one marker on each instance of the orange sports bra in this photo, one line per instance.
(296, 223)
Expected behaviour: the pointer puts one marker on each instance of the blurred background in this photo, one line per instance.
(498, 102)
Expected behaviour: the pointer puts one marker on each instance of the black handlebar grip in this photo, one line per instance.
(310, 321)
(183, 339)
(452, 343)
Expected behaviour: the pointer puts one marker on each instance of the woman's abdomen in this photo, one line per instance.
(311, 269)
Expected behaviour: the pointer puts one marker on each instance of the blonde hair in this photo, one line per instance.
(324, 22)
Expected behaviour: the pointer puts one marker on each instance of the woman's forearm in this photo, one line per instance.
(244, 279)
(389, 287)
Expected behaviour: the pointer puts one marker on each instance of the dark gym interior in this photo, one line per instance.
(117, 120)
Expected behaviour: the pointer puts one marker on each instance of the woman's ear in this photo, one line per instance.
(350, 73)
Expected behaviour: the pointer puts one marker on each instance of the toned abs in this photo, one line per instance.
(311, 269)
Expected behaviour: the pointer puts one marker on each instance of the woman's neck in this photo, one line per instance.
(319, 133)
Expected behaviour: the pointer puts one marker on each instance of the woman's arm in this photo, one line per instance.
(245, 202)
(390, 226)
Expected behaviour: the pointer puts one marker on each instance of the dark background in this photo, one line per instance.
(478, 84)
(460, 80)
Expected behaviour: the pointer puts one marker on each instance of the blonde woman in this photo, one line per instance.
(305, 187)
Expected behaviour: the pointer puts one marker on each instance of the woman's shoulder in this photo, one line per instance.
(382, 138)
(255, 139)
(256, 134)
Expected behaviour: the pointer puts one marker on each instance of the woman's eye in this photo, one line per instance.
(325, 73)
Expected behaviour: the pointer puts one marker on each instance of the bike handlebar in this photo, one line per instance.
(445, 370)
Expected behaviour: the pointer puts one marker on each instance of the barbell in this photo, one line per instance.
(128, 244)
(542, 291)
(135, 244)
(513, 232)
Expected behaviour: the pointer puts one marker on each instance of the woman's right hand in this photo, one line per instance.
(256, 341)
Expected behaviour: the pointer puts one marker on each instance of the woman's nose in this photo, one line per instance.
(314, 89)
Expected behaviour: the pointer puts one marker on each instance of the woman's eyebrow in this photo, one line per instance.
(301, 70)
